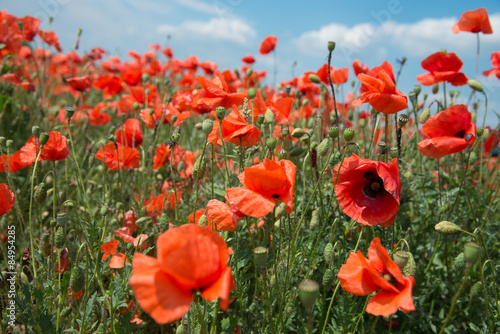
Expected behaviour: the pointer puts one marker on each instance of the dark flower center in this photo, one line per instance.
(374, 185)
(460, 134)
(388, 278)
(275, 196)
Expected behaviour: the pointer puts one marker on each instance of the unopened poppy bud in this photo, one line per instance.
(288, 88)
(151, 112)
(249, 72)
(479, 132)
(2, 141)
(349, 134)
(394, 152)
(198, 126)
(298, 133)
(459, 262)
(411, 267)
(314, 78)
(314, 220)
(203, 221)
(70, 111)
(53, 222)
(474, 84)
(452, 93)
(328, 253)
(220, 112)
(435, 88)
(271, 143)
(164, 225)
(62, 218)
(447, 228)
(174, 119)
(199, 168)
(362, 123)
(35, 130)
(145, 77)
(280, 210)
(269, 116)
(331, 46)
(382, 147)
(327, 278)
(282, 154)
(401, 258)
(333, 132)
(260, 119)
(297, 151)
(136, 106)
(417, 89)
(285, 132)
(260, 256)
(323, 147)
(104, 211)
(175, 137)
(40, 193)
(59, 238)
(313, 146)
(350, 115)
(424, 116)
(403, 60)
(251, 92)
(207, 126)
(476, 290)
(305, 102)
(77, 279)
(403, 120)
(471, 252)
(308, 293)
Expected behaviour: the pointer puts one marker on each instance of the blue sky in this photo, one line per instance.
(225, 30)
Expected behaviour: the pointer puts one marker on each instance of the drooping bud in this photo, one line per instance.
(411, 267)
(417, 89)
(59, 238)
(323, 147)
(314, 78)
(297, 151)
(164, 225)
(471, 252)
(203, 221)
(260, 256)
(459, 262)
(401, 258)
(447, 228)
(199, 168)
(476, 290)
(298, 133)
(40, 193)
(314, 220)
(474, 84)
(424, 116)
(349, 134)
(269, 116)
(280, 210)
(308, 293)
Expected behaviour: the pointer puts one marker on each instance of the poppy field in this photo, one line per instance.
(161, 195)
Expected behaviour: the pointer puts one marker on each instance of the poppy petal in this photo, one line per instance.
(386, 303)
(220, 288)
(250, 203)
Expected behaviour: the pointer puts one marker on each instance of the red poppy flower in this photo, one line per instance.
(97, 117)
(450, 131)
(55, 149)
(374, 72)
(495, 62)
(14, 162)
(216, 93)
(235, 129)
(131, 75)
(361, 276)
(225, 217)
(208, 67)
(50, 38)
(490, 144)
(474, 21)
(109, 83)
(281, 107)
(248, 59)
(190, 257)
(161, 157)
(129, 134)
(443, 67)
(368, 191)
(381, 93)
(359, 67)
(7, 199)
(157, 204)
(30, 27)
(81, 84)
(124, 157)
(168, 52)
(263, 185)
(338, 76)
(268, 45)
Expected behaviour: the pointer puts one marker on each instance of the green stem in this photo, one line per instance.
(455, 299)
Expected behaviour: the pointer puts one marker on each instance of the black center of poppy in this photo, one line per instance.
(388, 278)
(460, 134)
(374, 185)
(275, 196)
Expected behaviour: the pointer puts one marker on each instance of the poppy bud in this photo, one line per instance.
(459, 262)
(35, 130)
(314, 220)
(40, 193)
(323, 147)
(403, 119)
(145, 77)
(199, 168)
(394, 152)
(282, 154)
(164, 225)
(77, 279)
(260, 119)
(452, 93)
(334, 159)
(349, 134)
(174, 119)
(308, 293)
(314, 78)
(104, 211)
(203, 221)
(288, 88)
(53, 222)
(207, 126)
(151, 112)
(2, 141)
(175, 137)
(327, 278)
(435, 89)
(297, 151)
(447, 228)
(475, 85)
(471, 252)
(333, 132)
(62, 218)
(70, 111)
(251, 92)
(417, 89)
(411, 267)
(331, 46)
(285, 132)
(136, 106)
(479, 132)
(298, 133)
(362, 123)
(328, 253)
(313, 146)
(476, 290)
(305, 102)
(271, 143)
(260, 256)
(382, 147)
(220, 112)
(350, 115)
(269, 116)
(198, 126)
(401, 258)
(424, 116)
(59, 238)
(280, 210)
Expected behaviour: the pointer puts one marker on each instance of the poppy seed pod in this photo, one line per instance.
(282, 154)
(394, 152)
(401, 258)
(403, 120)
(207, 126)
(251, 92)
(175, 137)
(288, 88)
(2, 141)
(220, 112)
(471, 252)
(333, 132)
(331, 46)
(260, 256)
(447, 228)
(62, 218)
(174, 119)
(308, 293)
(70, 111)
(314, 78)
(271, 143)
(479, 132)
(349, 134)
(35, 130)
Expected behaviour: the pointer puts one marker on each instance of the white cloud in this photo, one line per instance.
(232, 30)
(199, 6)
